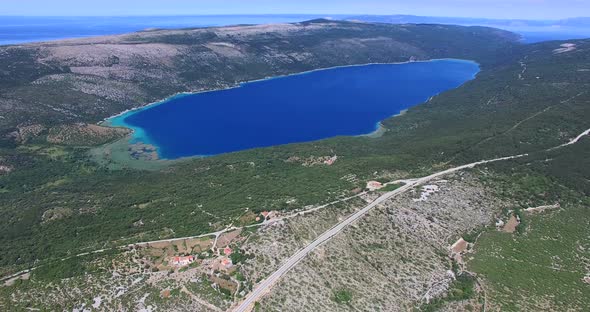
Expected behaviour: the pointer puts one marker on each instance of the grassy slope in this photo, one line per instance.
(541, 269)
(541, 266)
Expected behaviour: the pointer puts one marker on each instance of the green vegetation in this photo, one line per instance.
(239, 276)
(175, 292)
(226, 292)
(523, 221)
(203, 288)
(238, 256)
(73, 267)
(343, 296)
(462, 288)
(541, 268)
(471, 237)
(60, 270)
(390, 187)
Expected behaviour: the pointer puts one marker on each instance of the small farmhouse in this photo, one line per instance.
(182, 261)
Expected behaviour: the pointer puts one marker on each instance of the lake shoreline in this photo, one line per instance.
(104, 122)
(136, 135)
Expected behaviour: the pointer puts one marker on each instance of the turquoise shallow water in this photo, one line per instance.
(298, 108)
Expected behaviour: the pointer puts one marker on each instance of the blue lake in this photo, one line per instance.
(298, 108)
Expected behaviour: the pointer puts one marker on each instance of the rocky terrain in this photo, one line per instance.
(394, 259)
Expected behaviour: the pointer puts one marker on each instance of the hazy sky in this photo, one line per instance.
(526, 9)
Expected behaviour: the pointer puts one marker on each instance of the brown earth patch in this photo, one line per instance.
(25, 133)
(84, 134)
(460, 246)
(157, 254)
(160, 245)
(511, 225)
(181, 247)
(198, 245)
(226, 238)
(247, 218)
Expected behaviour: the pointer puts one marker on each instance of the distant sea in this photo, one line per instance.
(542, 34)
(299, 108)
(16, 29)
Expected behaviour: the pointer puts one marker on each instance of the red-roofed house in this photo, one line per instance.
(226, 263)
(227, 251)
(182, 261)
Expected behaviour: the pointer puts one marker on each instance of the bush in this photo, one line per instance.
(343, 296)
(60, 270)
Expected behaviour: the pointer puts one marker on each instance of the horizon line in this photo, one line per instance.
(327, 15)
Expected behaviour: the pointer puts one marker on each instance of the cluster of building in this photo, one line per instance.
(222, 262)
(182, 261)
